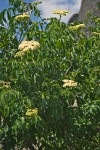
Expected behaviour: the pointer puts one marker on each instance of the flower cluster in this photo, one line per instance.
(4, 84)
(69, 83)
(95, 33)
(22, 17)
(25, 46)
(76, 27)
(32, 112)
(28, 45)
(61, 12)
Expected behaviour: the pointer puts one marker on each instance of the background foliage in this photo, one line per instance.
(35, 81)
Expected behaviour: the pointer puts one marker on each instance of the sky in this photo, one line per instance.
(48, 6)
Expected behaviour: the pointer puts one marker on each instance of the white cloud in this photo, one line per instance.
(48, 6)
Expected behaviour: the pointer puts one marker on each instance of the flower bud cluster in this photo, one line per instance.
(4, 84)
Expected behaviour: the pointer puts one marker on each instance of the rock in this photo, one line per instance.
(73, 18)
(91, 6)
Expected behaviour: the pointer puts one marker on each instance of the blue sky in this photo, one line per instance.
(48, 6)
(3, 5)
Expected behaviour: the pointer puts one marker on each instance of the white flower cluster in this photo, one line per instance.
(26, 46)
(95, 33)
(22, 17)
(32, 112)
(61, 12)
(76, 27)
(69, 83)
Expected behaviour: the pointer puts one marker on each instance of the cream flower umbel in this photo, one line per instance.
(76, 27)
(69, 83)
(32, 112)
(61, 12)
(22, 17)
(26, 46)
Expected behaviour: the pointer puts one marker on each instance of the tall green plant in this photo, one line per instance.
(49, 81)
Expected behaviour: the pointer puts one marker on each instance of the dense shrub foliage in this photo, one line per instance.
(50, 86)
